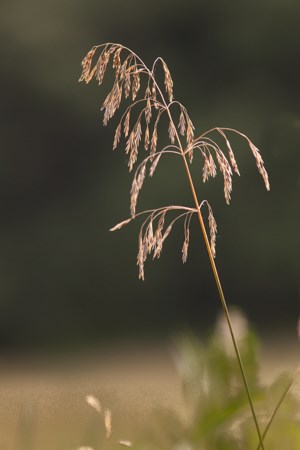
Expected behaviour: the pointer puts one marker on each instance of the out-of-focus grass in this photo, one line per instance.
(190, 399)
(43, 402)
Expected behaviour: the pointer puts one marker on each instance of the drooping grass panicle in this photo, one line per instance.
(258, 158)
(129, 68)
(120, 224)
(168, 82)
(255, 151)
(87, 74)
(209, 166)
(127, 76)
(230, 152)
(140, 174)
(206, 146)
(212, 228)
(153, 232)
(155, 161)
(182, 123)
(227, 174)
(154, 138)
(152, 103)
(137, 184)
(186, 241)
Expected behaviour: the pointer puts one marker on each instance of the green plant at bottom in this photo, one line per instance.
(215, 413)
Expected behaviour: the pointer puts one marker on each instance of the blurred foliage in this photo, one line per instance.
(64, 279)
(195, 399)
(217, 414)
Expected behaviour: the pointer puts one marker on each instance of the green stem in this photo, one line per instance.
(284, 394)
(218, 282)
(223, 301)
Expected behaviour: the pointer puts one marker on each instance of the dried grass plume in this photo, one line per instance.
(139, 128)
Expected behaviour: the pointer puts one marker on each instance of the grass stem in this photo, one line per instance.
(224, 304)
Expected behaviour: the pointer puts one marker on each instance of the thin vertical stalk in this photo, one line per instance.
(279, 403)
(216, 275)
(224, 304)
(220, 290)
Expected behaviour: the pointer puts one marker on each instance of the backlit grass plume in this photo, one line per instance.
(139, 129)
(148, 106)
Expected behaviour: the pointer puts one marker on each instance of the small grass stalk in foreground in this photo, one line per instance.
(148, 102)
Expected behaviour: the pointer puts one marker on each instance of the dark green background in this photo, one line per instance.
(64, 279)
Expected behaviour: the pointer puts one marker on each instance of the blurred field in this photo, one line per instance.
(43, 400)
(43, 406)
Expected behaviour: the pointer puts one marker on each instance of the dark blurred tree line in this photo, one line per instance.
(63, 277)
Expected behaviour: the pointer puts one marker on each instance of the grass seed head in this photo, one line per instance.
(107, 423)
(149, 106)
(125, 443)
(94, 403)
